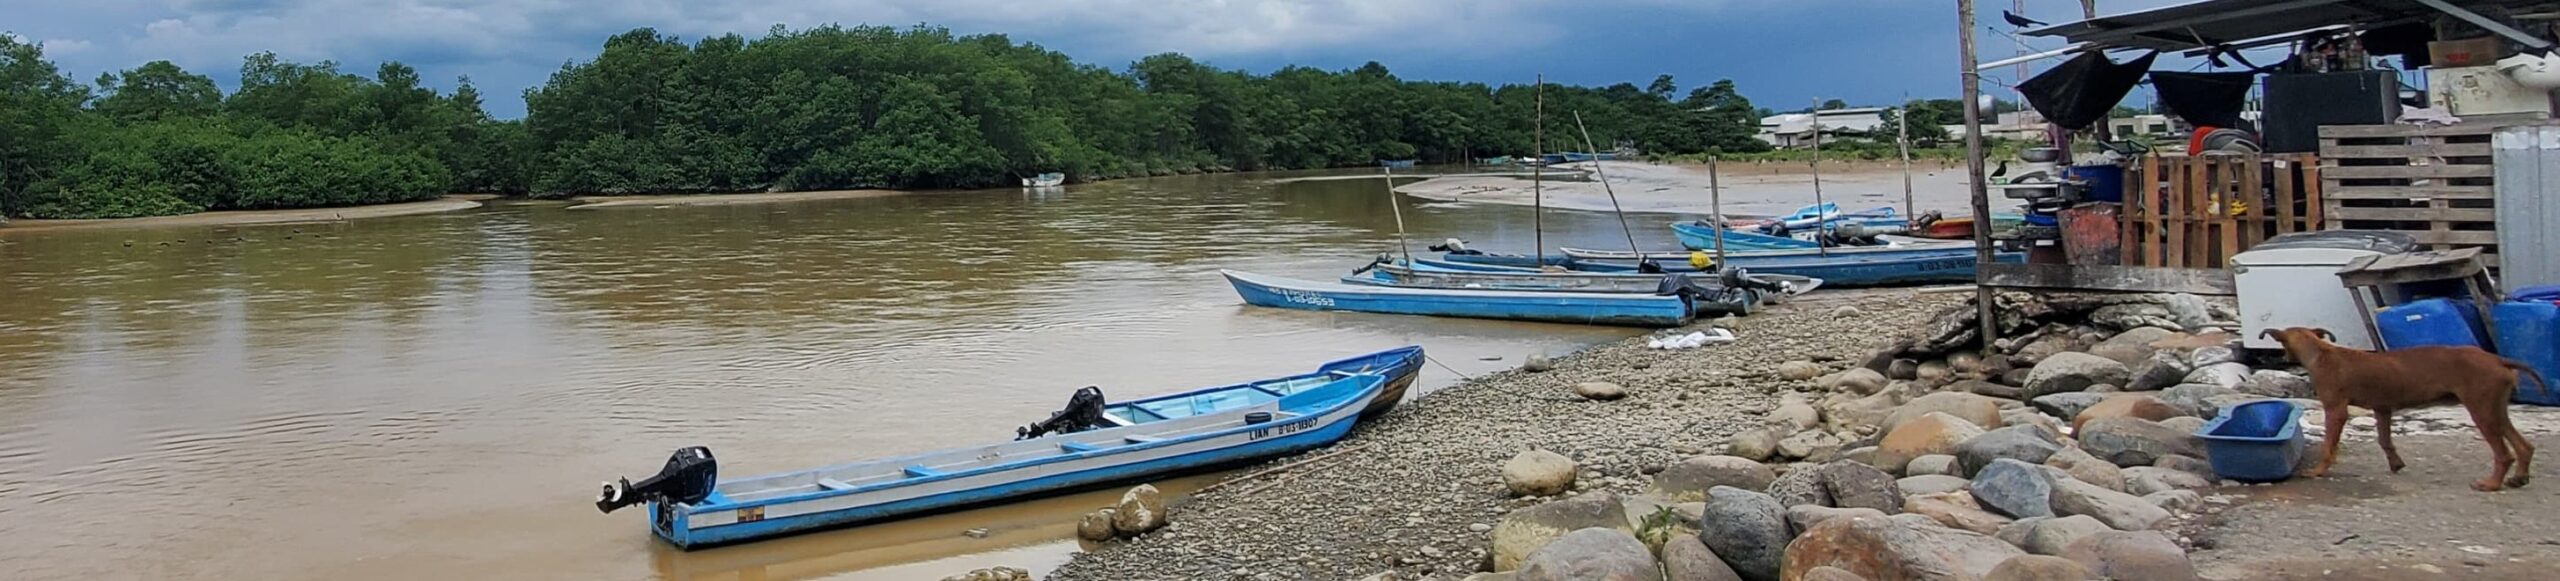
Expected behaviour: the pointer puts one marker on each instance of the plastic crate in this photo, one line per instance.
(2258, 441)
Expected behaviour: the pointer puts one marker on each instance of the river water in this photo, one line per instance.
(437, 396)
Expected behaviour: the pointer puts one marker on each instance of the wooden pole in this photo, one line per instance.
(1538, 174)
(1598, 172)
(1973, 154)
(1910, 210)
(1821, 219)
(1715, 202)
(1398, 209)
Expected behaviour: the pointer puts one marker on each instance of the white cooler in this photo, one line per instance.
(2292, 281)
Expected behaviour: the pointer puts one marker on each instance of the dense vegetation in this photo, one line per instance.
(822, 108)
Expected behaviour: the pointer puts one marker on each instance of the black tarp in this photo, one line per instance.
(2204, 99)
(2083, 90)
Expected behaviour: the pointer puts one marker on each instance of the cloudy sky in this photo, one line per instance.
(1782, 52)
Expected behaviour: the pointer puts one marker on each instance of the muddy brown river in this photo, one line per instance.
(436, 397)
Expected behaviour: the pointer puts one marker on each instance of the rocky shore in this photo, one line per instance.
(1856, 436)
(1419, 492)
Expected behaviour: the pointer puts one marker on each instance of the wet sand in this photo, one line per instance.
(1750, 189)
(249, 217)
(598, 202)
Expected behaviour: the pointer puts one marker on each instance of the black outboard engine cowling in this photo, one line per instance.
(688, 478)
(1083, 412)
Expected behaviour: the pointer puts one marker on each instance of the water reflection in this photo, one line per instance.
(433, 396)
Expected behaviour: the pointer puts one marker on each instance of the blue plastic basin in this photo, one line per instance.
(2529, 332)
(2258, 441)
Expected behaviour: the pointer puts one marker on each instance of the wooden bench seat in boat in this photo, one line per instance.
(920, 471)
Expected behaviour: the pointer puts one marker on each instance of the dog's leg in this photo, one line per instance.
(2484, 415)
(2518, 448)
(2337, 422)
(2382, 434)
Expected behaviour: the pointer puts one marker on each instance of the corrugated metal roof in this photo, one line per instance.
(2217, 22)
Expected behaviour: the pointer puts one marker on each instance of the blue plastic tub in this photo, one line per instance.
(2437, 321)
(2106, 182)
(2258, 441)
(2529, 332)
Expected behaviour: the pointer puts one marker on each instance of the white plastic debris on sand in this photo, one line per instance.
(1692, 340)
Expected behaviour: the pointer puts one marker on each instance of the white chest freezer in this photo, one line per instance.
(2292, 281)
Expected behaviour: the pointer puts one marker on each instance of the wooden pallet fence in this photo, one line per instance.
(2433, 183)
(2197, 211)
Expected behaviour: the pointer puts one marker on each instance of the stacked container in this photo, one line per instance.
(2529, 332)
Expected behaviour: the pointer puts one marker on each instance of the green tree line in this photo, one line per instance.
(820, 108)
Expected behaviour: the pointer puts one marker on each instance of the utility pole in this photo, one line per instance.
(1990, 323)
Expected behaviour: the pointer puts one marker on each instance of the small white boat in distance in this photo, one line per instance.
(1044, 180)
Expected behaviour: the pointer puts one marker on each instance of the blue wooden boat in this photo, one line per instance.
(1505, 278)
(1628, 309)
(1698, 236)
(1843, 268)
(1396, 163)
(1088, 444)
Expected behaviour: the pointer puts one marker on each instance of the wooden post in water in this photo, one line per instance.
(1538, 174)
(1821, 220)
(1715, 203)
(1910, 210)
(1981, 190)
(1398, 209)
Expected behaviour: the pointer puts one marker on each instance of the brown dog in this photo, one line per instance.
(2388, 381)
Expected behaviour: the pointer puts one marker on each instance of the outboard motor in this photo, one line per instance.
(1083, 412)
(1741, 279)
(1383, 258)
(1646, 265)
(689, 476)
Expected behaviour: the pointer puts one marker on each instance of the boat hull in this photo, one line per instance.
(1846, 268)
(1346, 391)
(1701, 237)
(1555, 307)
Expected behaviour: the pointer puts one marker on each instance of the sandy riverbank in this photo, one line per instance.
(1750, 189)
(254, 217)
(601, 202)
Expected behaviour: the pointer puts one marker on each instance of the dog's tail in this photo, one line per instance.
(2527, 371)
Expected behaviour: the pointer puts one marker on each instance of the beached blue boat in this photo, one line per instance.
(1504, 278)
(1856, 267)
(1699, 236)
(1396, 163)
(1498, 160)
(1090, 443)
(1628, 309)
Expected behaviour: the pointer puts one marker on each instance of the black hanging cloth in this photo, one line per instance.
(2083, 90)
(2204, 99)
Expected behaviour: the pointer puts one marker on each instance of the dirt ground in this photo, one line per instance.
(2362, 522)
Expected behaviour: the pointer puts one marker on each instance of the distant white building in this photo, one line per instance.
(2025, 125)
(1793, 130)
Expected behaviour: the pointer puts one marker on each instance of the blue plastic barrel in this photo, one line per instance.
(2256, 441)
(2426, 322)
(2529, 332)
(2106, 182)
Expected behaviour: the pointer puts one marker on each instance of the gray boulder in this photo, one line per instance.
(2091, 469)
(2188, 464)
(1687, 559)
(2038, 568)
(1930, 484)
(1896, 548)
(1538, 363)
(2188, 424)
(2051, 536)
(1988, 389)
(1955, 510)
(2069, 372)
(1538, 473)
(1800, 485)
(2176, 501)
(2227, 375)
(2144, 480)
(1795, 416)
(1902, 369)
(2022, 443)
(1799, 370)
(2066, 405)
(1803, 517)
(1944, 464)
(1933, 433)
(2212, 355)
(1858, 380)
(1592, 554)
(2016, 532)
(1755, 444)
(1688, 480)
(2131, 346)
(2196, 399)
(1096, 526)
(1747, 529)
(1983, 411)
(1860, 454)
(1811, 445)
(2278, 384)
(2128, 441)
(1600, 391)
(2119, 510)
(1855, 485)
(2145, 555)
(1141, 510)
(1523, 531)
(2014, 489)
(2176, 311)
(2159, 370)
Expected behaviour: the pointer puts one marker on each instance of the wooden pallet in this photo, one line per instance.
(2433, 183)
(2196, 212)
